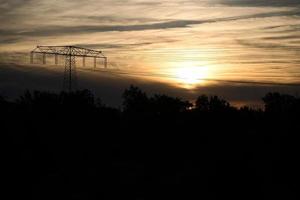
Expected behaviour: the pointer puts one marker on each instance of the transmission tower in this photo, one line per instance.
(70, 53)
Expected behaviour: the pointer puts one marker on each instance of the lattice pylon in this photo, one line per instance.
(70, 53)
(70, 76)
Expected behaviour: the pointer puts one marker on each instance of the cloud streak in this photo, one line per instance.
(67, 30)
(262, 3)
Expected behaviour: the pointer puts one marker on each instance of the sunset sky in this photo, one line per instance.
(186, 43)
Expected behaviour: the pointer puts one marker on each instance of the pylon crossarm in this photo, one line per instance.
(67, 54)
(67, 50)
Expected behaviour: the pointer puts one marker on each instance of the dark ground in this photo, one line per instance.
(71, 146)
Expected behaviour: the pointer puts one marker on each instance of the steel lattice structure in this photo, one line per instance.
(70, 53)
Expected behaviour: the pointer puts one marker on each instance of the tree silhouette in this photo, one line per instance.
(212, 104)
(70, 145)
(202, 103)
(163, 104)
(280, 103)
(135, 100)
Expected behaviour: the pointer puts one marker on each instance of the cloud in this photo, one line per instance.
(282, 37)
(10, 40)
(263, 3)
(61, 30)
(268, 45)
(83, 29)
(8, 6)
(112, 46)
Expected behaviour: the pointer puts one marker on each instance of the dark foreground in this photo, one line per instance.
(71, 146)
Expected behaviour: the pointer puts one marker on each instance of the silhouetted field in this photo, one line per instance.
(71, 146)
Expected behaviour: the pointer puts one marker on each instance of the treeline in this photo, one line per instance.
(72, 146)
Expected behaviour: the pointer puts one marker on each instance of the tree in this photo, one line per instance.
(202, 103)
(135, 100)
(280, 103)
(212, 104)
(168, 105)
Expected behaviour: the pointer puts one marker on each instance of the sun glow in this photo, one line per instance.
(190, 74)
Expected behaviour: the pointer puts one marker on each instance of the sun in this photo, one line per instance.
(190, 74)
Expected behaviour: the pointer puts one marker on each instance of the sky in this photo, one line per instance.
(189, 45)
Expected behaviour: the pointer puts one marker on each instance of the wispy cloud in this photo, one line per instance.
(67, 30)
(263, 3)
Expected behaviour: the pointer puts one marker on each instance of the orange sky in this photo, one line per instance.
(185, 43)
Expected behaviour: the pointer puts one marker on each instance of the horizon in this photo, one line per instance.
(109, 85)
